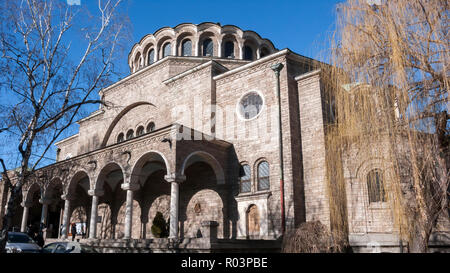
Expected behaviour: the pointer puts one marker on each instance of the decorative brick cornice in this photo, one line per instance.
(229, 77)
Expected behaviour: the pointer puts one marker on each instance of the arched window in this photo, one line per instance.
(264, 52)
(150, 127)
(151, 57)
(186, 48)
(130, 134)
(208, 47)
(167, 50)
(246, 182)
(248, 53)
(120, 138)
(140, 131)
(229, 49)
(263, 176)
(375, 186)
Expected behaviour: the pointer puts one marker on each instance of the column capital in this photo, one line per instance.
(96, 192)
(67, 197)
(26, 204)
(130, 187)
(277, 68)
(175, 178)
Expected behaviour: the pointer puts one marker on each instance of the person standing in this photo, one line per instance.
(73, 230)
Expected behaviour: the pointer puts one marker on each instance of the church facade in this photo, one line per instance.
(215, 134)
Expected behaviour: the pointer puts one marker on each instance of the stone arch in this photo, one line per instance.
(161, 42)
(151, 156)
(203, 37)
(52, 190)
(104, 172)
(204, 205)
(201, 199)
(181, 38)
(79, 176)
(104, 226)
(256, 174)
(152, 186)
(31, 191)
(148, 47)
(119, 117)
(119, 228)
(264, 51)
(364, 216)
(159, 204)
(137, 63)
(31, 200)
(230, 37)
(173, 34)
(201, 156)
(52, 194)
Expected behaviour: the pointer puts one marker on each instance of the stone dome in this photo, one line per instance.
(202, 40)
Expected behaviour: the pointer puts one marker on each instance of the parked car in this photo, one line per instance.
(19, 242)
(68, 247)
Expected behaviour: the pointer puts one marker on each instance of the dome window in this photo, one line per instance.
(120, 138)
(150, 127)
(229, 49)
(167, 50)
(208, 48)
(130, 134)
(151, 57)
(186, 49)
(248, 53)
(140, 131)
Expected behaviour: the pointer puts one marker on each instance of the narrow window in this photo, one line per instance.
(264, 52)
(120, 138)
(248, 53)
(186, 48)
(229, 49)
(375, 186)
(140, 131)
(246, 182)
(150, 127)
(208, 47)
(151, 57)
(130, 134)
(167, 50)
(263, 176)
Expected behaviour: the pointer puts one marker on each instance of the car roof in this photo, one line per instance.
(16, 233)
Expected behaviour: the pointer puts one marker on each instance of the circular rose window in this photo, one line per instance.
(250, 105)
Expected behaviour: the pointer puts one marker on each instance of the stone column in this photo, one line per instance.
(130, 188)
(241, 49)
(66, 216)
(26, 211)
(219, 48)
(94, 212)
(174, 48)
(45, 203)
(196, 43)
(175, 181)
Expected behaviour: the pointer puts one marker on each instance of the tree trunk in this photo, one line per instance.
(10, 212)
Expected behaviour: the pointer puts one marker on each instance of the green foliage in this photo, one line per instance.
(159, 227)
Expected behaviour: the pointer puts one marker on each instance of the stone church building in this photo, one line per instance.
(194, 135)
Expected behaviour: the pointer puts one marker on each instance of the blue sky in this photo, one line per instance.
(300, 25)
